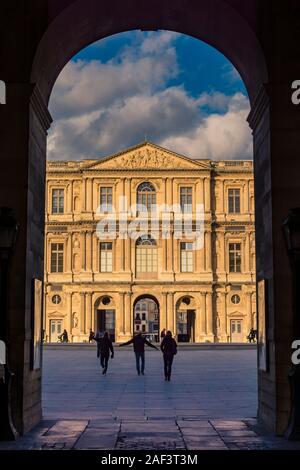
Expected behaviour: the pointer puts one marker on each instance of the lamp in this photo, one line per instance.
(9, 229)
(291, 230)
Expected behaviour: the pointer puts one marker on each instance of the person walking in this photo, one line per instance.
(169, 349)
(104, 347)
(162, 334)
(139, 342)
(91, 335)
(64, 337)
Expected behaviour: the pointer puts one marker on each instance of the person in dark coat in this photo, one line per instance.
(91, 335)
(139, 342)
(104, 346)
(169, 349)
(64, 337)
(162, 334)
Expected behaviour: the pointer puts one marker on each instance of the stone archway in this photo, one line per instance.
(187, 319)
(146, 317)
(105, 316)
(53, 33)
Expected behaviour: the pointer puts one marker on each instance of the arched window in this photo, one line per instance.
(2, 92)
(146, 196)
(146, 255)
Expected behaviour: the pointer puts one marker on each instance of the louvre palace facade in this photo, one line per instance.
(148, 239)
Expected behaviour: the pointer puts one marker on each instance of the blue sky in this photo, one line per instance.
(178, 91)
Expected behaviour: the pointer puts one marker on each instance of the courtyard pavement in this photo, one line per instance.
(210, 403)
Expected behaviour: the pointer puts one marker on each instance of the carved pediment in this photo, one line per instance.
(148, 156)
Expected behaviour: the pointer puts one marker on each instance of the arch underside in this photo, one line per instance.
(86, 21)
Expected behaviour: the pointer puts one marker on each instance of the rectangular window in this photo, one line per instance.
(186, 257)
(146, 259)
(106, 257)
(234, 201)
(57, 257)
(58, 196)
(106, 199)
(186, 199)
(235, 258)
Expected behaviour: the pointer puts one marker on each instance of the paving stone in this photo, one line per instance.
(209, 404)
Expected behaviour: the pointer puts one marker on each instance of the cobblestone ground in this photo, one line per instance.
(209, 404)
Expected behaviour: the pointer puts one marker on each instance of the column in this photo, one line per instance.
(202, 193)
(82, 313)
(128, 191)
(203, 329)
(223, 251)
(223, 318)
(95, 263)
(69, 253)
(70, 312)
(222, 197)
(83, 250)
(89, 249)
(246, 198)
(249, 311)
(209, 316)
(208, 250)
(164, 191)
(128, 254)
(170, 312)
(164, 254)
(207, 204)
(198, 320)
(128, 314)
(88, 311)
(83, 195)
(170, 191)
(170, 257)
(247, 254)
(88, 195)
(70, 197)
(120, 317)
(163, 308)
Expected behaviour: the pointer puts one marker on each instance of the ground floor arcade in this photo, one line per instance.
(203, 313)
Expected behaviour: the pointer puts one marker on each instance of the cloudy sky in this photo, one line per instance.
(169, 88)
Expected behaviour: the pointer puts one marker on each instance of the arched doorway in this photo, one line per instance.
(105, 316)
(186, 312)
(146, 317)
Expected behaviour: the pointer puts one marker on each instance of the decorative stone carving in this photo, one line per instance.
(75, 320)
(147, 157)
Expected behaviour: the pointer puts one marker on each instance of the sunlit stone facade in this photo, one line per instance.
(158, 280)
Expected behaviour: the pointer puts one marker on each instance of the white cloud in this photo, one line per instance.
(218, 136)
(100, 108)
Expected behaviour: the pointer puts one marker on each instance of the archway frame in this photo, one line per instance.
(67, 26)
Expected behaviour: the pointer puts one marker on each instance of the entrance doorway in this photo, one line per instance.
(186, 311)
(55, 330)
(146, 318)
(106, 322)
(186, 326)
(236, 331)
(105, 316)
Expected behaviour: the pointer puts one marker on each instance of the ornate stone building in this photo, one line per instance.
(156, 280)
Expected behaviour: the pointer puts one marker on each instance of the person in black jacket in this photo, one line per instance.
(139, 342)
(105, 347)
(169, 349)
